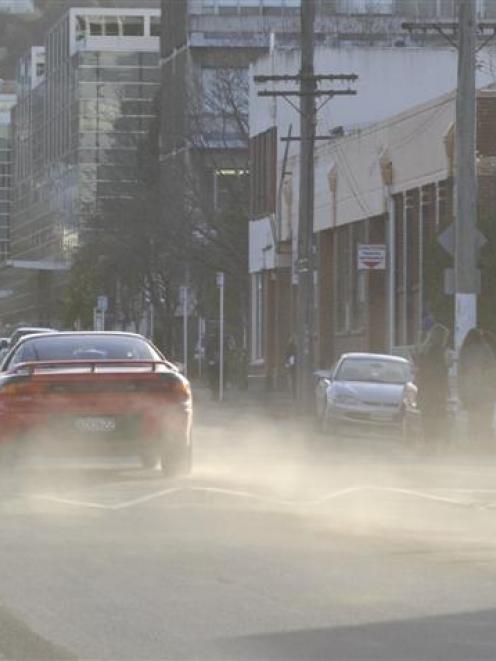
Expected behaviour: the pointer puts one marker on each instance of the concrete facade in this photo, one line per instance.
(388, 182)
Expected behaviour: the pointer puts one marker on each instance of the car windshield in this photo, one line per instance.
(371, 370)
(83, 347)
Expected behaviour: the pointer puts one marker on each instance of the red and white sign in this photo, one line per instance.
(371, 257)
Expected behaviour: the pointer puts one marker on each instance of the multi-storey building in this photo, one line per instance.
(86, 101)
(7, 101)
(17, 6)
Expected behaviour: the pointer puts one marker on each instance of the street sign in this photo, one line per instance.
(102, 303)
(220, 279)
(98, 320)
(371, 257)
(447, 239)
(302, 265)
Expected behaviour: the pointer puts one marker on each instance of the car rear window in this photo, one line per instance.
(84, 347)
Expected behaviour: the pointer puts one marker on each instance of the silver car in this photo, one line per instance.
(364, 392)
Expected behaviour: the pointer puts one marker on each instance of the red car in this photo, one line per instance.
(99, 390)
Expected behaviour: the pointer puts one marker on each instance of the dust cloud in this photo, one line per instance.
(368, 486)
(365, 487)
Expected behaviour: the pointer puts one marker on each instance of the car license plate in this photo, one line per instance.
(382, 416)
(95, 425)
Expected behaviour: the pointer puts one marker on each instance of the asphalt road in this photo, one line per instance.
(277, 547)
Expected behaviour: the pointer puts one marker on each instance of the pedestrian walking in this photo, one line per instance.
(476, 384)
(213, 373)
(433, 386)
(290, 362)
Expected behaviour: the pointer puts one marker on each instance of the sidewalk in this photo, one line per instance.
(278, 406)
(272, 404)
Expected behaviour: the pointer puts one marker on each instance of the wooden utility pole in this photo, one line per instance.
(309, 90)
(305, 263)
(468, 35)
(466, 272)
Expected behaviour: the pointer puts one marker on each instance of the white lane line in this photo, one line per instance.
(214, 490)
(147, 497)
(111, 506)
(70, 501)
(261, 498)
(421, 494)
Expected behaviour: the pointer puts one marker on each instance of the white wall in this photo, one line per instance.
(261, 255)
(413, 141)
(393, 82)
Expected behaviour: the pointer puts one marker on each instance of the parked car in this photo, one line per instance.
(364, 392)
(27, 330)
(4, 347)
(111, 388)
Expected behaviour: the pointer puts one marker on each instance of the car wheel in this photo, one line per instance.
(177, 459)
(150, 456)
(8, 456)
(409, 433)
(326, 426)
(319, 415)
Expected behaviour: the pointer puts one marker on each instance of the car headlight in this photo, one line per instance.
(410, 398)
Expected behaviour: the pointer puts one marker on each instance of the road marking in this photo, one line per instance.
(112, 506)
(413, 493)
(420, 494)
(147, 497)
(70, 501)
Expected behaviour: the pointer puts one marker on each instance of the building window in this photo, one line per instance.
(350, 291)
(257, 325)
(263, 168)
(230, 187)
(366, 6)
(133, 26)
(96, 26)
(112, 28)
(155, 26)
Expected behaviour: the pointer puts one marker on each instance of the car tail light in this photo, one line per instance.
(14, 386)
(176, 385)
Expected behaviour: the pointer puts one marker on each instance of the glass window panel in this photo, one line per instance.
(80, 28)
(112, 27)
(149, 59)
(133, 26)
(155, 26)
(120, 74)
(87, 156)
(138, 107)
(96, 26)
(88, 91)
(150, 75)
(88, 74)
(88, 140)
(88, 58)
(117, 90)
(119, 59)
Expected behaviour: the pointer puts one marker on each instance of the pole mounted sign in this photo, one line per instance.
(371, 257)
(102, 303)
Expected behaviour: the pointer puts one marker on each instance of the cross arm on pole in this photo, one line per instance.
(445, 27)
(348, 77)
(287, 93)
